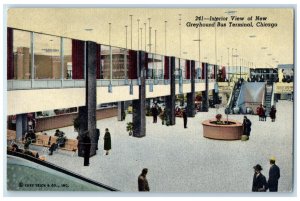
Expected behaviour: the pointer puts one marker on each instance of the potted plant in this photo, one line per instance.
(218, 117)
(129, 128)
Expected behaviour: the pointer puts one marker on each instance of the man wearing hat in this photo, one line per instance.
(259, 180)
(274, 175)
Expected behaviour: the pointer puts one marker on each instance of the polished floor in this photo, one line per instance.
(182, 160)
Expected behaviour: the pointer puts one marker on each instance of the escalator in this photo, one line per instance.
(26, 173)
(232, 104)
(268, 97)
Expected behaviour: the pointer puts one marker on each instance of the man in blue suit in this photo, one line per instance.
(274, 175)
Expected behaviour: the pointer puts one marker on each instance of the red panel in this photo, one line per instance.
(132, 69)
(98, 62)
(187, 69)
(77, 59)
(10, 54)
(166, 70)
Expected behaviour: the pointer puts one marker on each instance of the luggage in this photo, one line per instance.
(244, 138)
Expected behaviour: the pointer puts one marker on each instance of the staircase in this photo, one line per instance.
(268, 97)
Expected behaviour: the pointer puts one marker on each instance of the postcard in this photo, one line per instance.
(162, 100)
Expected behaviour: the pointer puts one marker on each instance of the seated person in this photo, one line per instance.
(30, 135)
(16, 148)
(30, 153)
(52, 148)
(58, 133)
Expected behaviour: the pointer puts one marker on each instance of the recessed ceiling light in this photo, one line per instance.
(88, 29)
(252, 36)
(263, 48)
(269, 54)
(184, 52)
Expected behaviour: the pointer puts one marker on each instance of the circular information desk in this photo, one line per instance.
(222, 131)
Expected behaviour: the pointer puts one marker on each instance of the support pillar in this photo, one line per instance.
(191, 96)
(205, 104)
(121, 110)
(87, 114)
(215, 90)
(21, 125)
(139, 105)
(170, 100)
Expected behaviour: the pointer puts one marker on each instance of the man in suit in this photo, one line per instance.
(142, 181)
(184, 116)
(259, 180)
(274, 175)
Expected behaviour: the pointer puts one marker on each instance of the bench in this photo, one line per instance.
(70, 145)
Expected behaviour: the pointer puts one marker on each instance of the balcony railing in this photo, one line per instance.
(55, 84)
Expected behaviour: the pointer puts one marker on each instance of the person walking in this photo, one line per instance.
(247, 126)
(87, 149)
(273, 113)
(184, 116)
(107, 141)
(154, 112)
(259, 112)
(259, 180)
(274, 175)
(142, 181)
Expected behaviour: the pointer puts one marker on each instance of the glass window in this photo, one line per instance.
(120, 57)
(47, 61)
(198, 70)
(67, 58)
(22, 54)
(159, 66)
(177, 68)
(183, 68)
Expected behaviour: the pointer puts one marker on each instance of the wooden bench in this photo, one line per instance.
(11, 136)
(70, 145)
(41, 140)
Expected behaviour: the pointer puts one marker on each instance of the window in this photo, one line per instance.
(22, 54)
(67, 47)
(47, 61)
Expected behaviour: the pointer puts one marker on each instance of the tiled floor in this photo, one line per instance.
(182, 160)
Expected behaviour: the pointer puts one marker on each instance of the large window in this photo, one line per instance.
(198, 69)
(22, 54)
(155, 66)
(119, 56)
(67, 47)
(183, 68)
(47, 60)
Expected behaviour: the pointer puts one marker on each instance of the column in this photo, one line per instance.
(121, 110)
(21, 125)
(205, 104)
(87, 114)
(138, 114)
(170, 100)
(215, 90)
(191, 96)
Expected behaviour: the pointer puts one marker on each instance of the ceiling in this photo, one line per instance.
(252, 46)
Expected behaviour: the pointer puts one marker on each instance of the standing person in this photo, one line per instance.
(107, 141)
(273, 113)
(97, 137)
(259, 180)
(259, 112)
(154, 112)
(87, 149)
(247, 126)
(184, 116)
(274, 175)
(142, 181)
(264, 115)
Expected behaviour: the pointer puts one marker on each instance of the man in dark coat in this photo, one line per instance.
(154, 112)
(184, 116)
(247, 126)
(273, 113)
(142, 181)
(107, 141)
(87, 149)
(97, 137)
(259, 180)
(274, 175)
